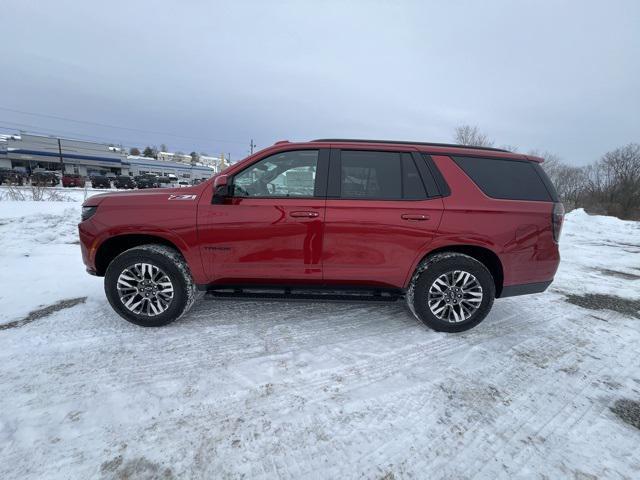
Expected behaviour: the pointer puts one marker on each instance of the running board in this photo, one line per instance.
(301, 295)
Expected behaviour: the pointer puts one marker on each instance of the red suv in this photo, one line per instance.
(73, 180)
(446, 227)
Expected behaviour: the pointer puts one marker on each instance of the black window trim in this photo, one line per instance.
(431, 176)
(420, 176)
(320, 184)
(334, 186)
(546, 181)
(441, 184)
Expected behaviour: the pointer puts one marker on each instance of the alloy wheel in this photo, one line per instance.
(145, 289)
(455, 296)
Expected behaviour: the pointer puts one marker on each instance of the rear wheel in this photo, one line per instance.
(150, 285)
(451, 292)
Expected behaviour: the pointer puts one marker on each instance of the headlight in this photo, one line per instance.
(88, 212)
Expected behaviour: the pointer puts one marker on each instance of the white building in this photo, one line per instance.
(28, 152)
(134, 165)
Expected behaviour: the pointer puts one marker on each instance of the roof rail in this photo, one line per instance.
(402, 142)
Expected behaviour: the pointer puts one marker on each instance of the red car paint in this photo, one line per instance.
(73, 181)
(328, 241)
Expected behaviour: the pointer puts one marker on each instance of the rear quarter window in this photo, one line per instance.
(506, 179)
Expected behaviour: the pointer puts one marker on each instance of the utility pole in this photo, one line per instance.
(252, 146)
(60, 156)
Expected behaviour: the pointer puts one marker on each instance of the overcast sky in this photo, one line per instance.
(562, 76)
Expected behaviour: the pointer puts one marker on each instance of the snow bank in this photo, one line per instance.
(599, 254)
(40, 257)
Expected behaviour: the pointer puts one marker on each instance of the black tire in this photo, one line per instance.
(433, 268)
(172, 264)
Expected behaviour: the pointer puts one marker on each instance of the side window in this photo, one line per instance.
(380, 176)
(286, 174)
(369, 174)
(505, 179)
(412, 186)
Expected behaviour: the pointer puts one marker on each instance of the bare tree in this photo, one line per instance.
(509, 148)
(570, 182)
(15, 194)
(552, 163)
(471, 135)
(37, 192)
(615, 181)
(610, 186)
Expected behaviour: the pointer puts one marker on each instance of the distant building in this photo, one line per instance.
(5, 163)
(136, 165)
(214, 162)
(29, 152)
(174, 157)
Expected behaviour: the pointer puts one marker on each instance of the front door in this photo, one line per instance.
(270, 230)
(382, 211)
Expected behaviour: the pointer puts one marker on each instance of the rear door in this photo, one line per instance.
(270, 231)
(383, 209)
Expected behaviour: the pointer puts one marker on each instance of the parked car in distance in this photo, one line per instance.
(164, 181)
(147, 181)
(447, 228)
(12, 177)
(124, 181)
(100, 181)
(184, 183)
(73, 180)
(197, 181)
(43, 178)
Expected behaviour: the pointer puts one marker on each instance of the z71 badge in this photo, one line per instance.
(182, 197)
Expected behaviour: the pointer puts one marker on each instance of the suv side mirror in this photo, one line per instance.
(221, 189)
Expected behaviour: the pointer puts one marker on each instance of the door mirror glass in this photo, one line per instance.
(220, 181)
(221, 189)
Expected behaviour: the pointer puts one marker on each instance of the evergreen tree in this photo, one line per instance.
(149, 152)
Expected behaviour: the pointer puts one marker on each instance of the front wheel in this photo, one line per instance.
(451, 292)
(150, 285)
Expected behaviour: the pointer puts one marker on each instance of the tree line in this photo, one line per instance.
(608, 186)
(152, 152)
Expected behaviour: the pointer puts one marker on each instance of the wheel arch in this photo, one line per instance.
(484, 255)
(114, 246)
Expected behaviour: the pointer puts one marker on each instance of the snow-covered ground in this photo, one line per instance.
(315, 390)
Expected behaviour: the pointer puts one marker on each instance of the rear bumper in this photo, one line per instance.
(524, 289)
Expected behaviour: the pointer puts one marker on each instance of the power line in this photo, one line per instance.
(106, 125)
(37, 130)
(34, 129)
(69, 135)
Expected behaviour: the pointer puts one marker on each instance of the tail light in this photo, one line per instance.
(557, 218)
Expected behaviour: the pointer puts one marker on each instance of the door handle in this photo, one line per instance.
(303, 214)
(415, 217)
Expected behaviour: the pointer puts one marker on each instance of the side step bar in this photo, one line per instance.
(304, 295)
